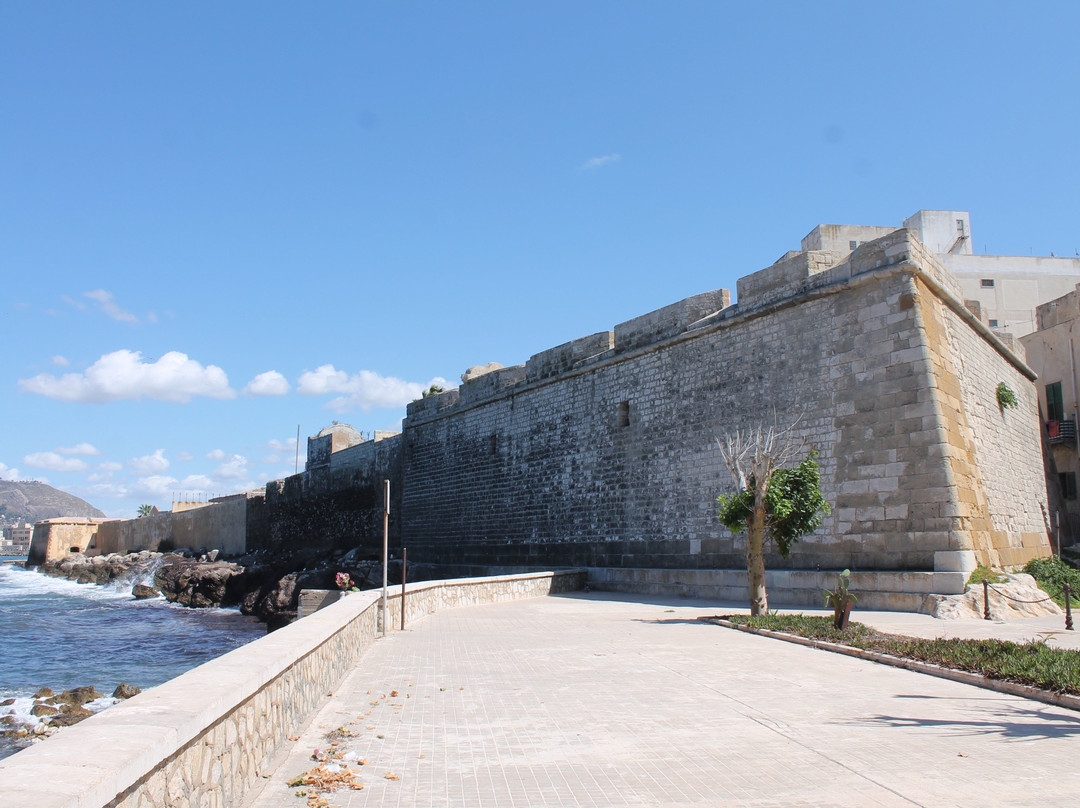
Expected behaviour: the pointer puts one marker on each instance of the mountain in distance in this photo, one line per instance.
(32, 501)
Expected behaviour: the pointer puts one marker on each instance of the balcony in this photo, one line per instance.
(1061, 431)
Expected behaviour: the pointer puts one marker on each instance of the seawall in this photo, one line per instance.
(203, 738)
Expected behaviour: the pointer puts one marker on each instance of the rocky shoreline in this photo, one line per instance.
(267, 588)
(51, 712)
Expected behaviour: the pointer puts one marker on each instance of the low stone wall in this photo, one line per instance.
(880, 591)
(203, 738)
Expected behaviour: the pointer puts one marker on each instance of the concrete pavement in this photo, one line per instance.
(607, 700)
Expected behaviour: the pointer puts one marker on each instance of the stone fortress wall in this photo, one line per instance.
(602, 452)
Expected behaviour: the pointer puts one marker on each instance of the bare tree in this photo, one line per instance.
(773, 501)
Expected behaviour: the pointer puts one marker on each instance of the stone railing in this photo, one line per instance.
(203, 738)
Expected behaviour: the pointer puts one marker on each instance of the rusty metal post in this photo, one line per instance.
(404, 561)
(1068, 608)
(986, 599)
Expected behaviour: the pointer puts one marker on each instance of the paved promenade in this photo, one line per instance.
(609, 700)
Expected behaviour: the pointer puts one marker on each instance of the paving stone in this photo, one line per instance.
(606, 700)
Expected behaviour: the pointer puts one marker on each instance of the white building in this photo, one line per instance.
(16, 539)
(1007, 288)
(1053, 351)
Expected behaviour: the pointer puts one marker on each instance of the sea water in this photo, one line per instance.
(59, 634)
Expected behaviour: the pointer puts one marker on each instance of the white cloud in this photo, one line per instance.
(155, 485)
(185, 456)
(60, 360)
(79, 449)
(54, 462)
(599, 162)
(235, 468)
(270, 383)
(280, 450)
(197, 483)
(150, 464)
(124, 375)
(8, 473)
(109, 490)
(216, 454)
(108, 306)
(362, 390)
(109, 466)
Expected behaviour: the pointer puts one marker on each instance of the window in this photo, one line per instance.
(623, 418)
(993, 323)
(987, 283)
(1055, 407)
(852, 245)
(960, 227)
(1068, 484)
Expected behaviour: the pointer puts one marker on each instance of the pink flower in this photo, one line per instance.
(343, 580)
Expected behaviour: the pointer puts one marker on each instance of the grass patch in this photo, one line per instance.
(1052, 574)
(980, 574)
(1034, 663)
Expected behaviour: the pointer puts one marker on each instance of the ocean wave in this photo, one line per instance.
(19, 582)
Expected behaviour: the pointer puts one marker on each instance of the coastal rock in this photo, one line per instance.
(44, 693)
(143, 592)
(198, 584)
(124, 691)
(79, 695)
(67, 719)
(39, 710)
(7, 702)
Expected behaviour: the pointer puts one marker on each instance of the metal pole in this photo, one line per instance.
(986, 599)
(404, 558)
(385, 549)
(1068, 608)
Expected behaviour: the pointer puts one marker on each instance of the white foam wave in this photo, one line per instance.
(22, 583)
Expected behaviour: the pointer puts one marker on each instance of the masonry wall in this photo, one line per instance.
(337, 505)
(55, 538)
(220, 524)
(610, 459)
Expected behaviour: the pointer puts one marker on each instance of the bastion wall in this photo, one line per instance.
(603, 452)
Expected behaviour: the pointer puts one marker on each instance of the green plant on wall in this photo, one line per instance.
(1006, 398)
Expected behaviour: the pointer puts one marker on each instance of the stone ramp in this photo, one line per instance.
(608, 700)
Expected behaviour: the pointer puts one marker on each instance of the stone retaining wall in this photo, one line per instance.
(203, 738)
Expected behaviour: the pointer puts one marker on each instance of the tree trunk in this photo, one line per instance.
(755, 557)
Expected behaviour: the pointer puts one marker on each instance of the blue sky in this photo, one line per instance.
(219, 222)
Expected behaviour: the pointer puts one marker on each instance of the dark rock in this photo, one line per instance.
(7, 702)
(74, 709)
(43, 709)
(67, 719)
(8, 720)
(44, 693)
(198, 584)
(143, 592)
(124, 691)
(79, 695)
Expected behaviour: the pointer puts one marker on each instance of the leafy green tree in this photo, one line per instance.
(146, 510)
(435, 389)
(774, 501)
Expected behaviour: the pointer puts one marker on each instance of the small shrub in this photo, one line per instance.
(1006, 398)
(1052, 574)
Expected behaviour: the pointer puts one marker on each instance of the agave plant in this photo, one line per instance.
(841, 600)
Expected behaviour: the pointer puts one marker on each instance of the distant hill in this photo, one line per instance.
(32, 502)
